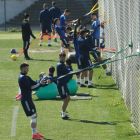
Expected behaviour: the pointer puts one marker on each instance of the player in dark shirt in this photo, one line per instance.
(26, 85)
(56, 13)
(62, 84)
(45, 19)
(84, 48)
(26, 33)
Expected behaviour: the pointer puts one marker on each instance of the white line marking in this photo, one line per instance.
(14, 121)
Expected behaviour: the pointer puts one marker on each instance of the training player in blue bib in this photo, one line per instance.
(96, 37)
(45, 19)
(56, 13)
(63, 38)
(102, 44)
(26, 85)
(62, 84)
(63, 20)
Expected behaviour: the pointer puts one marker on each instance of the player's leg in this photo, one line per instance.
(49, 34)
(26, 47)
(62, 46)
(82, 79)
(54, 37)
(64, 94)
(78, 61)
(43, 32)
(67, 43)
(86, 77)
(99, 59)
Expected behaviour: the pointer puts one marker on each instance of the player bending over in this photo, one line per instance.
(63, 38)
(62, 84)
(26, 85)
(45, 19)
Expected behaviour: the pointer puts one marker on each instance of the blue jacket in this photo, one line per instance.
(84, 47)
(55, 12)
(45, 18)
(62, 70)
(60, 31)
(26, 85)
(62, 21)
(96, 34)
(69, 76)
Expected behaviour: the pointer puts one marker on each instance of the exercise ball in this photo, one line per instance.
(47, 92)
(72, 86)
(14, 57)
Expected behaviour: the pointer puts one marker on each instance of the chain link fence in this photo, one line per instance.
(123, 28)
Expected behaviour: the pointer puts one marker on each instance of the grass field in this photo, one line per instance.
(105, 117)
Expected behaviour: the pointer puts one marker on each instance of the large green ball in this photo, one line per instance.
(47, 92)
(72, 86)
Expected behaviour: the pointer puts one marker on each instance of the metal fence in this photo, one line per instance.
(123, 28)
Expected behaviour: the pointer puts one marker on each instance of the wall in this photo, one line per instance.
(13, 8)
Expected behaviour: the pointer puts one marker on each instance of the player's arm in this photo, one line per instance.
(40, 19)
(88, 47)
(29, 30)
(64, 69)
(102, 37)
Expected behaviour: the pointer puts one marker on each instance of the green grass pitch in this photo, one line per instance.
(98, 119)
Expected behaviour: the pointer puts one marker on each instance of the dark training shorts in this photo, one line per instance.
(85, 62)
(63, 90)
(46, 28)
(28, 107)
(78, 61)
(66, 42)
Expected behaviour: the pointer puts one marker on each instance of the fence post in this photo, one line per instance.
(5, 13)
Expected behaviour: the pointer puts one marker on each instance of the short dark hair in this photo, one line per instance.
(55, 20)
(68, 28)
(23, 65)
(53, 3)
(69, 61)
(67, 10)
(45, 5)
(83, 32)
(94, 14)
(62, 54)
(51, 69)
(26, 15)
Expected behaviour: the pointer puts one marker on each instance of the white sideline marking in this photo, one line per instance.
(14, 121)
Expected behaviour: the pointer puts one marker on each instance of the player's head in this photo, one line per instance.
(26, 16)
(51, 69)
(68, 62)
(45, 6)
(62, 56)
(24, 68)
(68, 29)
(53, 3)
(56, 21)
(83, 33)
(67, 12)
(94, 16)
(102, 24)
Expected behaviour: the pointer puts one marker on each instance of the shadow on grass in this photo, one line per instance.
(47, 139)
(101, 123)
(113, 86)
(43, 60)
